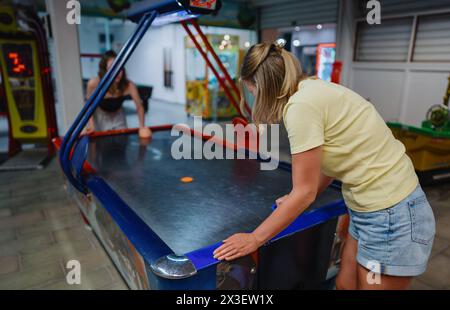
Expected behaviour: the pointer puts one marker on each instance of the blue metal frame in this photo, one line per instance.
(166, 7)
(139, 9)
(79, 156)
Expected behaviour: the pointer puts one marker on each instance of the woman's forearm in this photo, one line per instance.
(141, 114)
(91, 123)
(283, 215)
(324, 182)
(305, 183)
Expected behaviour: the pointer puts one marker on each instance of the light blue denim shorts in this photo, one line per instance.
(396, 241)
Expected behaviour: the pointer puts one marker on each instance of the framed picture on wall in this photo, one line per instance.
(168, 71)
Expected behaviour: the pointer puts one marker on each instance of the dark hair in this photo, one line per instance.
(103, 68)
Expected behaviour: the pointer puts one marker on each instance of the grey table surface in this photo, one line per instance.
(226, 196)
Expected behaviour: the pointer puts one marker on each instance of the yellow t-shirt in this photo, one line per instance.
(358, 147)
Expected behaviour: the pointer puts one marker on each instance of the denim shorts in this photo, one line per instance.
(396, 241)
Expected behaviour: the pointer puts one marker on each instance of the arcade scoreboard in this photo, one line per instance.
(22, 80)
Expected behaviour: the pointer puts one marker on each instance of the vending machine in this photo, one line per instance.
(326, 54)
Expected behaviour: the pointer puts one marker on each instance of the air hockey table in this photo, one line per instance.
(161, 232)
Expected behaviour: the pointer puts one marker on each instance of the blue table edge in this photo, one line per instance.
(152, 247)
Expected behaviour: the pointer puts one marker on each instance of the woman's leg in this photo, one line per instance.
(385, 282)
(347, 278)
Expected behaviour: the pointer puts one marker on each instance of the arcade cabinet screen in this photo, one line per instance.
(19, 61)
(203, 4)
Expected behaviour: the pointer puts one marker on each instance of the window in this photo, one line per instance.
(388, 41)
(432, 41)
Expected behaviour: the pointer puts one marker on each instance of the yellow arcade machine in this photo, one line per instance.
(27, 87)
(429, 145)
(204, 96)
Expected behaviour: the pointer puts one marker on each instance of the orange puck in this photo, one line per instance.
(187, 179)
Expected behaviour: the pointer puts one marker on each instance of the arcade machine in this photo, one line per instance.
(326, 54)
(429, 145)
(204, 97)
(28, 90)
(160, 219)
(317, 60)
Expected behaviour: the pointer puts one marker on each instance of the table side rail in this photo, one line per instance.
(204, 257)
(144, 239)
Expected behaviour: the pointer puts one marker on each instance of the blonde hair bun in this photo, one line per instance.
(280, 43)
(275, 73)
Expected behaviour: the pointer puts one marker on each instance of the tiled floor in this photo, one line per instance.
(40, 230)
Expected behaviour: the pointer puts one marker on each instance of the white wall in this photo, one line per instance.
(67, 70)
(89, 31)
(146, 65)
(425, 88)
(381, 87)
(401, 92)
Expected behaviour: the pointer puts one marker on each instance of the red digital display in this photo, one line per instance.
(17, 65)
(19, 61)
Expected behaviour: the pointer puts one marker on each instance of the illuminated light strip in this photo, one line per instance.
(173, 18)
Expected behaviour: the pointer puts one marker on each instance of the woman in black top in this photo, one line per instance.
(110, 114)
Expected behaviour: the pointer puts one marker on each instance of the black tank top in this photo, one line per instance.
(112, 104)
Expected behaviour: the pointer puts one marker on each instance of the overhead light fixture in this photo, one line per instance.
(296, 43)
(226, 37)
(247, 44)
(297, 28)
(319, 26)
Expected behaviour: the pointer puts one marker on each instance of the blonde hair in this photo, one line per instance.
(275, 73)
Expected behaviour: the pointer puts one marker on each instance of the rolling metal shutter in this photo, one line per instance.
(388, 41)
(287, 13)
(392, 7)
(433, 38)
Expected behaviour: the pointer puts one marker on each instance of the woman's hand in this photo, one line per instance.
(236, 246)
(134, 93)
(88, 130)
(145, 133)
